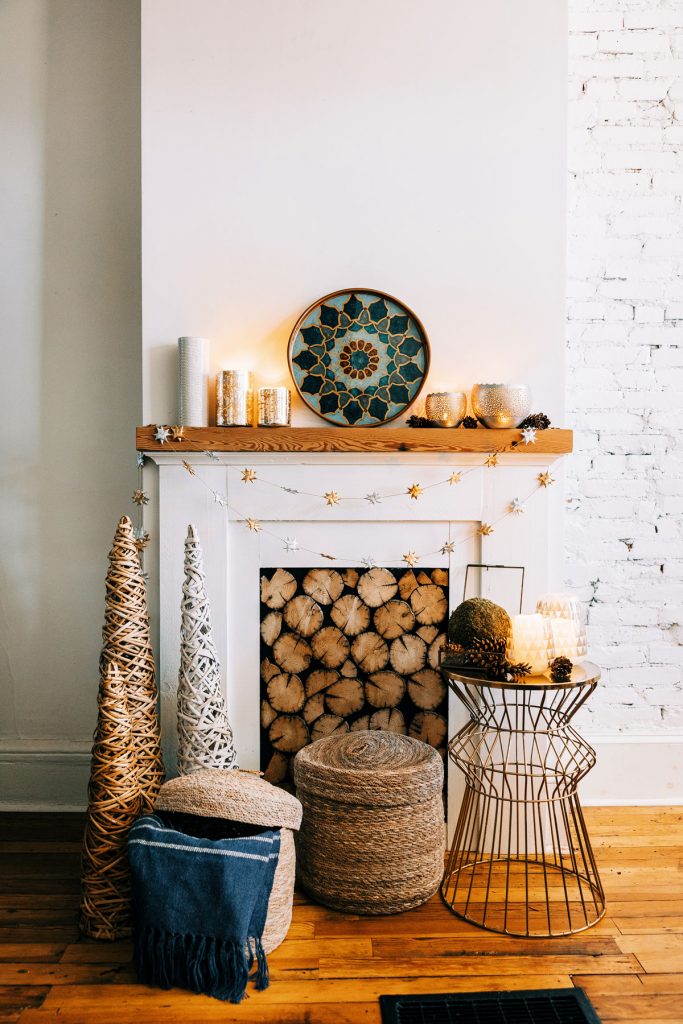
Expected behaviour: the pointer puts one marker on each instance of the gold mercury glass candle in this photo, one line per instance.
(233, 398)
(448, 408)
(530, 638)
(273, 407)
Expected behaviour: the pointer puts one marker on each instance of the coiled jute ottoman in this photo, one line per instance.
(227, 797)
(373, 836)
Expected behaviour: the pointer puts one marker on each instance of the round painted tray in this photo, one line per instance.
(358, 357)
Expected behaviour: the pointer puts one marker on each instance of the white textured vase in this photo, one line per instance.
(193, 382)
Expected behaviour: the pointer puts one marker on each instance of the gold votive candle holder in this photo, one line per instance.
(234, 398)
(274, 405)
(447, 408)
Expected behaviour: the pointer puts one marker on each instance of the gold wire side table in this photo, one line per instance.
(521, 861)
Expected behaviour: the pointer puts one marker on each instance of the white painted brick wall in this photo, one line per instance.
(624, 539)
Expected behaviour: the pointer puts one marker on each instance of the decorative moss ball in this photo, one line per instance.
(478, 619)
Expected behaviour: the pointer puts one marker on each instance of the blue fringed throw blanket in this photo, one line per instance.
(200, 907)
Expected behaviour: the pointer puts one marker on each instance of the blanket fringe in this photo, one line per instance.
(200, 963)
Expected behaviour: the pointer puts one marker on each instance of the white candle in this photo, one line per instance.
(530, 642)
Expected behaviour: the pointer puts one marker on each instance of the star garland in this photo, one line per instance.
(411, 558)
(167, 435)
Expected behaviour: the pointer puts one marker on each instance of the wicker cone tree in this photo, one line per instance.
(127, 643)
(204, 735)
(113, 804)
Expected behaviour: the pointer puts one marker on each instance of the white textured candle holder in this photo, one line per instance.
(565, 616)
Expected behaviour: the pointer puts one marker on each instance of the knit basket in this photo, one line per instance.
(373, 835)
(243, 797)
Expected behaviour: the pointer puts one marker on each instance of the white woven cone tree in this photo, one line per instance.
(204, 735)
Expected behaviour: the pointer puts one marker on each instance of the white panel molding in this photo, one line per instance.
(632, 770)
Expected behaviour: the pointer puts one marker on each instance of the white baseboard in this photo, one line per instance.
(44, 780)
(636, 770)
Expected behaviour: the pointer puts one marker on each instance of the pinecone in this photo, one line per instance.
(538, 420)
(489, 645)
(421, 421)
(519, 669)
(469, 423)
(561, 670)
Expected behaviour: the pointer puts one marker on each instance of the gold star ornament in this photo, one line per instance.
(189, 468)
(455, 478)
(448, 548)
(177, 433)
(414, 491)
(139, 497)
(253, 525)
(545, 479)
(491, 460)
(485, 530)
(411, 559)
(248, 476)
(331, 497)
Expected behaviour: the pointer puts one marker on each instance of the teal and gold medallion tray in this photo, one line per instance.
(358, 357)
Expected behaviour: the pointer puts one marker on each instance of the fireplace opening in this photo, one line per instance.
(349, 649)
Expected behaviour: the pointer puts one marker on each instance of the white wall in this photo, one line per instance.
(292, 147)
(625, 362)
(70, 382)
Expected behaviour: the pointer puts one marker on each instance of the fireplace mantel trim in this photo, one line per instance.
(551, 444)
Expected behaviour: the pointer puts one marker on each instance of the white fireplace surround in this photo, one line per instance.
(351, 530)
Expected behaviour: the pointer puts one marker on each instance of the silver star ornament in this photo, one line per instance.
(529, 435)
(517, 507)
(291, 544)
(162, 434)
(374, 498)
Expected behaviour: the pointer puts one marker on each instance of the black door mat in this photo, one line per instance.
(541, 1006)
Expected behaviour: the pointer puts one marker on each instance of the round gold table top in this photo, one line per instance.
(583, 674)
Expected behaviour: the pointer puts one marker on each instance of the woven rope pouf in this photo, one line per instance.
(373, 835)
(233, 795)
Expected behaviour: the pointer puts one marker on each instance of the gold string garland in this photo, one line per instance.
(515, 507)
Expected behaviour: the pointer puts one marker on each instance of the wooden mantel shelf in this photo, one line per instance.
(351, 440)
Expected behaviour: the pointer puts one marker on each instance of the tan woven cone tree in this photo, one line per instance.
(127, 643)
(113, 805)
(204, 734)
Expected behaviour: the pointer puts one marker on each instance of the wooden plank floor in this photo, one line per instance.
(332, 967)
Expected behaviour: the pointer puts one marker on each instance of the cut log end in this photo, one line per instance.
(394, 619)
(323, 585)
(288, 734)
(286, 693)
(278, 590)
(370, 652)
(350, 615)
(429, 604)
(377, 586)
(330, 647)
